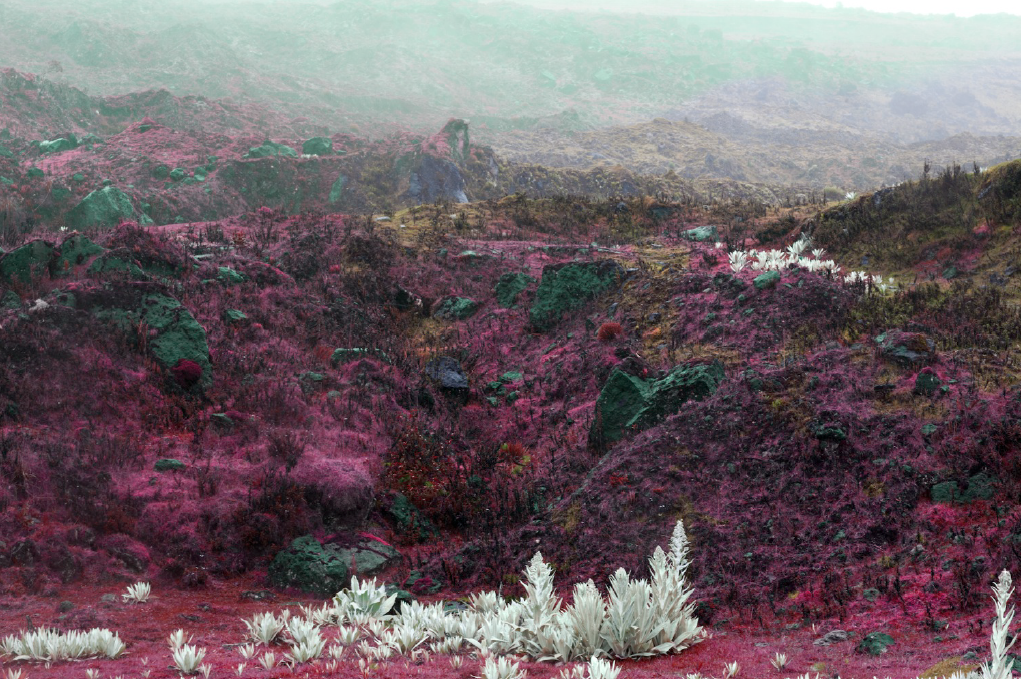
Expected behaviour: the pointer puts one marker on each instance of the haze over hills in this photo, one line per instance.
(798, 75)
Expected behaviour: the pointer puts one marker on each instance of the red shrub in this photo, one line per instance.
(187, 373)
(608, 331)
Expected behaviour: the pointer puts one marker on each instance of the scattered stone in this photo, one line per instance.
(980, 487)
(178, 173)
(875, 643)
(235, 316)
(57, 145)
(169, 465)
(74, 251)
(270, 149)
(448, 373)
(324, 569)
(229, 276)
(456, 309)
(831, 638)
(906, 349)
(318, 146)
(565, 287)
(28, 261)
(627, 402)
(509, 287)
(767, 280)
(103, 207)
(700, 234)
(927, 382)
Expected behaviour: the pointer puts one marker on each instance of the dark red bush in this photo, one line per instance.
(608, 331)
(187, 373)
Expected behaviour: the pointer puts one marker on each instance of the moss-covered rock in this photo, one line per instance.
(117, 264)
(927, 382)
(318, 146)
(103, 207)
(269, 149)
(509, 287)
(627, 402)
(75, 251)
(344, 355)
(229, 276)
(767, 280)
(456, 309)
(322, 569)
(234, 316)
(28, 261)
(57, 145)
(565, 287)
(310, 567)
(875, 643)
(160, 172)
(980, 487)
(700, 234)
(169, 465)
(174, 334)
(409, 521)
(906, 349)
(178, 173)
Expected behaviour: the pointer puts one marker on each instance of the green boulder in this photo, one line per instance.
(324, 569)
(57, 145)
(103, 207)
(5, 152)
(78, 177)
(234, 316)
(25, 262)
(229, 276)
(34, 173)
(10, 300)
(177, 174)
(310, 567)
(318, 146)
(700, 234)
(509, 287)
(160, 172)
(927, 382)
(627, 402)
(269, 149)
(980, 487)
(74, 251)
(344, 355)
(875, 643)
(456, 309)
(169, 465)
(117, 264)
(767, 280)
(566, 287)
(174, 334)
(337, 189)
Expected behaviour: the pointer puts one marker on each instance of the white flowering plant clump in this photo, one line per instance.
(49, 645)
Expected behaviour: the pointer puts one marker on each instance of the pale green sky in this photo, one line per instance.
(962, 8)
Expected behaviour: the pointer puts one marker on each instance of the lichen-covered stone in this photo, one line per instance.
(103, 207)
(117, 263)
(235, 316)
(456, 309)
(628, 402)
(168, 465)
(318, 146)
(509, 287)
(875, 643)
(75, 251)
(310, 567)
(269, 149)
(28, 261)
(700, 233)
(767, 280)
(56, 145)
(344, 355)
(229, 276)
(565, 287)
(927, 382)
(178, 173)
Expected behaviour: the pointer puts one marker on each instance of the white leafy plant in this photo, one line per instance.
(49, 645)
(137, 593)
(187, 658)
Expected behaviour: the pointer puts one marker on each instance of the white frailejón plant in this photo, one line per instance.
(363, 601)
(187, 658)
(264, 628)
(49, 645)
(501, 668)
(137, 593)
(999, 667)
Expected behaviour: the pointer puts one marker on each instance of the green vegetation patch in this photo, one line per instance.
(565, 287)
